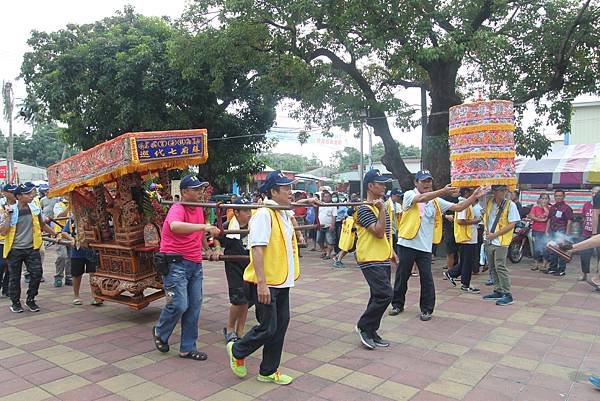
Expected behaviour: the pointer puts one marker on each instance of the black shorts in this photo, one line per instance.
(80, 266)
(238, 289)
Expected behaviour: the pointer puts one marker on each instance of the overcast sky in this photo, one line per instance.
(19, 18)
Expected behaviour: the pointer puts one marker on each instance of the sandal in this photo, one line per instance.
(229, 336)
(195, 355)
(77, 301)
(160, 345)
(97, 302)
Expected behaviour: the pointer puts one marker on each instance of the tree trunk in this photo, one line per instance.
(391, 158)
(436, 153)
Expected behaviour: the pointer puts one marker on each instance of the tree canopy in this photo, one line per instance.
(345, 160)
(42, 148)
(340, 58)
(130, 73)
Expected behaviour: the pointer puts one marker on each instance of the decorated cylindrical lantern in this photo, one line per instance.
(482, 144)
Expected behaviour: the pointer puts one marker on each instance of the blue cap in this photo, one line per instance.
(9, 188)
(275, 178)
(241, 201)
(374, 175)
(396, 191)
(423, 175)
(29, 184)
(44, 187)
(23, 189)
(191, 181)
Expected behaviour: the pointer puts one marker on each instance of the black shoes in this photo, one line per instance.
(395, 311)
(380, 342)
(451, 279)
(548, 271)
(32, 305)
(365, 339)
(471, 290)
(425, 316)
(16, 307)
(558, 274)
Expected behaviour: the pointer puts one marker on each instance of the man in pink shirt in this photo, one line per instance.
(182, 241)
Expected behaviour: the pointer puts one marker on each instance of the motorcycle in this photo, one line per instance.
(521, 243)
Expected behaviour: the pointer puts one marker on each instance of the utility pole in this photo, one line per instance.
(361, 169)
(370, 148)
(363, 115)
(423, 122)
(7, 95)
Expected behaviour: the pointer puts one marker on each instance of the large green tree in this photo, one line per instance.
(43, 147)
(130, 73)
(341, 57)
(346, 159)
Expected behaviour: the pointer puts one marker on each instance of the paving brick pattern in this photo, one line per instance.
(541, 348)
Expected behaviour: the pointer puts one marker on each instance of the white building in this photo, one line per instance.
(585, 123)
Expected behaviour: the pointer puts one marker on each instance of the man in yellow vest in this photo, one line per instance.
(7, 202)
(23, 230)
(465, 234)
(420, 227)
(500, 218)
(273, 268)
(374, 254)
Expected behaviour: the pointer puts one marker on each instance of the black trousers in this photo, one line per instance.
(33, 263)
(378, 278)
(469, 256)
(586, 257)
(408, 257)
(273, 321)
(3, 272)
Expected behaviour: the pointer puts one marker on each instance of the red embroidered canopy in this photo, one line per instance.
(131, 152)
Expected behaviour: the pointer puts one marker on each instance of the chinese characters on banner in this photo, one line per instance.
(165, 148)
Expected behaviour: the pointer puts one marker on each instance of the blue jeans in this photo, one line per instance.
(539, 246)
(183, 293)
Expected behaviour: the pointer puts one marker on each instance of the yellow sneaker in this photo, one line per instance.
(277, 378)
(238, 366)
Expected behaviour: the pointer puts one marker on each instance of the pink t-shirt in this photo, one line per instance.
(188, 245)
(539, 211)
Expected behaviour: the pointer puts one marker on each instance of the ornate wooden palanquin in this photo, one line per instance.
(114, 223)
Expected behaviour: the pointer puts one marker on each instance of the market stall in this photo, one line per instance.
(565, 166)
(116, 215)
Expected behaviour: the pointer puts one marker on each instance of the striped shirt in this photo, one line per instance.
(366, 217)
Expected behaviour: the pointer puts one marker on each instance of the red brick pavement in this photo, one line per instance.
(541, 348)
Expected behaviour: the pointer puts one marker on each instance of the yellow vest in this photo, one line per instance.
(6, 216)
(462, 233)
(12, 230)
(411, 222)
(275, 256)
(369, 248)
(61, 220)
(503, 222)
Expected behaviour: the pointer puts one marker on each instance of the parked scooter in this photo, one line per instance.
(521, 243)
